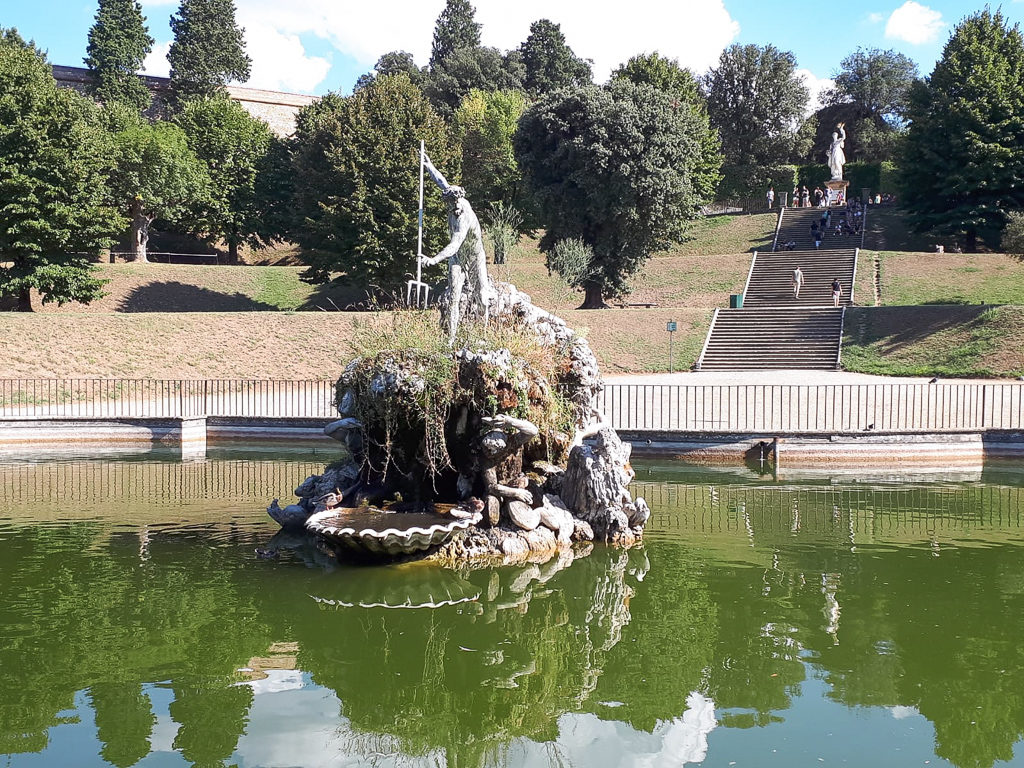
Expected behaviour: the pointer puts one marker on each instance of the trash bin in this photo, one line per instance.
(735, 300)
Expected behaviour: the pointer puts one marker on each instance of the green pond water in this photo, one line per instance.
(149, 617)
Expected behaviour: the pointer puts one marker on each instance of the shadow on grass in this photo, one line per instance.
(172, 296)
(887, 230)
(335, 297)
(907, 325)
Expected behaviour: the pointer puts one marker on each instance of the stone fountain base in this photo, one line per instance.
(469, 453)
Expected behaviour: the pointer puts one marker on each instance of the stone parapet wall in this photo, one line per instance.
(275, 108)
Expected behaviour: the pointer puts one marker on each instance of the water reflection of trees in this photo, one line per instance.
(74, 618)
(922, 626)
(468, 680)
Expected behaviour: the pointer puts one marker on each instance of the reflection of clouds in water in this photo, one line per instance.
(304, 726)
(277, 681)
(588, 740)
(901, 712)
(161, 739)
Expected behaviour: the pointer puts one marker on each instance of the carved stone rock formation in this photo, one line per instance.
(484, 429)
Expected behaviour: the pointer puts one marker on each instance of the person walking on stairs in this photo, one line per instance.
(837, 291)
(798, 282)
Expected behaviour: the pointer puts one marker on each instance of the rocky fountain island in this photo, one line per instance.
(474, 441)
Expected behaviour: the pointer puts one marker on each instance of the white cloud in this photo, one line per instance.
(817, 86)
(875, 18)
(914, 23)
(156, 63)
(279, 60)
(694, 32)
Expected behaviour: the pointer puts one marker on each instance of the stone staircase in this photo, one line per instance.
(774, 330)
(795, 226)
(773, 338)
(770, 282)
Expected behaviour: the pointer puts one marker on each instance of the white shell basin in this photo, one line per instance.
(386, 534)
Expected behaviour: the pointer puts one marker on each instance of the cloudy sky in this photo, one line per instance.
(315, 46)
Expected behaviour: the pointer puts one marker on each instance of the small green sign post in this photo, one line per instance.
(670, 326)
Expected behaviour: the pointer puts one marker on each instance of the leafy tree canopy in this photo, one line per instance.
(876, 83)
(118, 45)
(358, 157)
(756, 101)
(484, 124)
(235, 147)
(620, 167)
(482, 68)
(53, 164)
(456, 28)
(963, 157)
(662, 73)
(550, 63)
(392, 63)
(156, 176)
(208, 50)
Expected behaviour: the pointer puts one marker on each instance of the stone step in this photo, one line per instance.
(773, 338)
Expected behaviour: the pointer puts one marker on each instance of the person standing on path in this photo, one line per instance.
(770, 197)
(798, 282)
(837, 291)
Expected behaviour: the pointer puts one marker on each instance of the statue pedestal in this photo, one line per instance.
(836, 189)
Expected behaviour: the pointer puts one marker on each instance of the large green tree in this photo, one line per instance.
(484, 124)
(456, 28)
(156, 176)
(236, 149)
(550, 63)
(392, 63)
(963, 161)
(871, 95)
(662, 73)
(756, 100)
(358, 158)
(208, 50)
(53, 165)
(619, 167)
(481, 68)
(118, 45)
(665, 75)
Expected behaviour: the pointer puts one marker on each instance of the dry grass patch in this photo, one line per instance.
(262, 345)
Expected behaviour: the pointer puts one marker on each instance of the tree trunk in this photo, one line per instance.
(971, 243)
(232, 252)
(24, 299)
(593, 298)
(140, 233)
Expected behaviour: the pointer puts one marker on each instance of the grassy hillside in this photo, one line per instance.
(701, 272)
(951, 278)
(935, 341)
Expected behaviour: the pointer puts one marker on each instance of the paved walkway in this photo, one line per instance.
(708, 378)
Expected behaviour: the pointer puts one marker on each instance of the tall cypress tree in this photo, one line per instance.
(455, 29)
(208, 49)
(550, 63)
(118, 45)
(963, 160)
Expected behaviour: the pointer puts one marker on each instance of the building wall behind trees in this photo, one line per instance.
(275, 108)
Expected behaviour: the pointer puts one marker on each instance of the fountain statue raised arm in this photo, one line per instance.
(836, 155)
(469, 289)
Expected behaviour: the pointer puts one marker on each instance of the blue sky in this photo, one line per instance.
(313, 46)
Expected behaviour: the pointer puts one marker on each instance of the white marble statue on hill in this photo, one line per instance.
(836, 155)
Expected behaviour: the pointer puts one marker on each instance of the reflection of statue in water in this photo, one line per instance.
(469, 290)
(836, 155)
